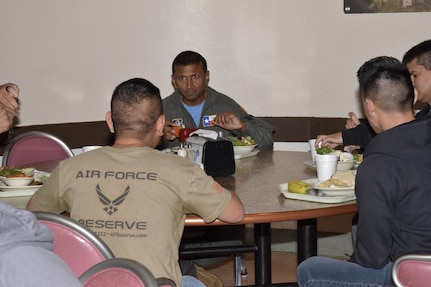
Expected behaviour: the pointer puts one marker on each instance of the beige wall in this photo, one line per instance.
(275, 57)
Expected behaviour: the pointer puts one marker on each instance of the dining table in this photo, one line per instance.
(256, 181)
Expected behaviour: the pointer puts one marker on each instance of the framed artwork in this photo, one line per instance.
(386, 6)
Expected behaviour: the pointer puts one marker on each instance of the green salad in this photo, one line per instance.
(241, 141)
(324, 150)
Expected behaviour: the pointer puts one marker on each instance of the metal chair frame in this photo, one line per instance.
(82, 234)
(409, 269)
(129, 265)
(29, 135)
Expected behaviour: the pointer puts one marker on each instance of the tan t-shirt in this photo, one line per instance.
(136, 200)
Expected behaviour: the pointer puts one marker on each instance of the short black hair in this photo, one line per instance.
(421, 52)
(128, 113)
(187, 58)
(386, 81)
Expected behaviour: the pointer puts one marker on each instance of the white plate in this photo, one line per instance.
(13, 191)
(333, 187)
(243, 149)
(310, 196)
(244, 155)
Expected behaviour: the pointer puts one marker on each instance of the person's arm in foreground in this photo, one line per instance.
(234, 212)
(47, 197)
(30, 206)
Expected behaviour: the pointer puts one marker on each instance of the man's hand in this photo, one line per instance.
(352, 121)
(331, 141)
(169, 131)
(9, 94)
(9, 105)
(229, 121)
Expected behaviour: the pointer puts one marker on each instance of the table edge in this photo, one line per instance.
(254, 218)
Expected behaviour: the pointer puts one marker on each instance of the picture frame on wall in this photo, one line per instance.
(386, 6)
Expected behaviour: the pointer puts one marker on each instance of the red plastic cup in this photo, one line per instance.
(184, 133)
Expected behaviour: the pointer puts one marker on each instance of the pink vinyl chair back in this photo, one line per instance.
(76, 244)
(118, 272)
(412, 270)
(33, 147)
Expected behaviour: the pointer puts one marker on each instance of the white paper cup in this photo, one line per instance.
(313, 150)
(326, 166)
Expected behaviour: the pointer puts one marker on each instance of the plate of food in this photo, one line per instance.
(243, 146)
(20, 182)
(339, 181)
(304, 190)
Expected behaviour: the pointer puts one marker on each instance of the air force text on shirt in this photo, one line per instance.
(126, 175)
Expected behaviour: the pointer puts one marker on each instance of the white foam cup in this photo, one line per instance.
(312, 150)
(326, 165)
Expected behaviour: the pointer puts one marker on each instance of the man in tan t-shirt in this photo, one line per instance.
(133, 196)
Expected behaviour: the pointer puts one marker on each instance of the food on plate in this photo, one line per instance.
(357, 156)
(345, 178)
(241, 141)
(340, 179)
(9, 172)
(345, 156)
(40, 179)
(325, 184)
(342, 156)
(298, 186)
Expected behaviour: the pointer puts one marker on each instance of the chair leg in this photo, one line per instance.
(243, 266)
(240, 268)
(237, 268)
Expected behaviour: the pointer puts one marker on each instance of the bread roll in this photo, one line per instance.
(345, 178)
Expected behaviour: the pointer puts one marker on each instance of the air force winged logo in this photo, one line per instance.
(111, 206)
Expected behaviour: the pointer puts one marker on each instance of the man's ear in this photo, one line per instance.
(370, 105)
(207, 78)
(109, 122)
(160, 125)
(173, 82)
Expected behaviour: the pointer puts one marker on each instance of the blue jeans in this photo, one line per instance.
(325, 272)
(190, 281)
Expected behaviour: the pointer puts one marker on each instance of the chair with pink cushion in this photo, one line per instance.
(76, 244)
(34, 146)
(412, 270)
(118, 272)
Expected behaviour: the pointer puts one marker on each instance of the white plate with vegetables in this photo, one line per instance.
(243, 145)
(39, 177)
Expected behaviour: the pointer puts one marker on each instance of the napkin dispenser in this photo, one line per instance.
(215, 155)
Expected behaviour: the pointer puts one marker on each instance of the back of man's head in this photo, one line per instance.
(421, 52)
(386, 81)
(189, 58)
(135, 107)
